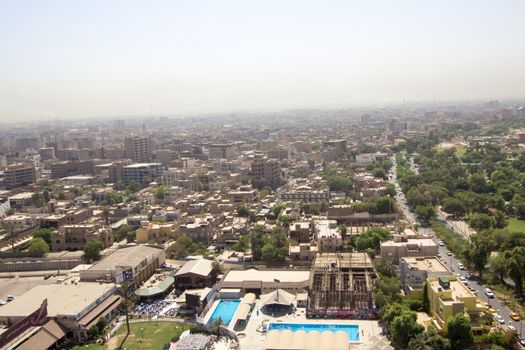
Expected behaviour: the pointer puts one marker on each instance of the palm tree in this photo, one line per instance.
(217, 324)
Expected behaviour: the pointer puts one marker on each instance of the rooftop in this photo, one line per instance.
(130, 256)
(201, 267)
(430, 264)
(63, 299)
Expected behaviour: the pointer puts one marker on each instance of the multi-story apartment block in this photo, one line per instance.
(142, 173)
(305, 194)
(138, 148)
(266, 172)
(220, 150)
(18, 175)
(72, 167)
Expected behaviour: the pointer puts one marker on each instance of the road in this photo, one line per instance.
(451, 261)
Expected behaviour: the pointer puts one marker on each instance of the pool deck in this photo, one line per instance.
(254, 339)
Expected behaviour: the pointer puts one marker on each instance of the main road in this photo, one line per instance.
(473, 282)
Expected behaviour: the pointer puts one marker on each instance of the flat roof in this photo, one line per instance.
(63, 299)
(427, 242)
(140, 165)
(428, 263)
(130, 256)
(284, 276)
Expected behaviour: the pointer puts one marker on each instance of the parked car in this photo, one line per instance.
(488, 292)
(10, 297)
(512, 328)
(499, 319)
(2, 302)
(441, 243)
(514, 316)
(461, 266)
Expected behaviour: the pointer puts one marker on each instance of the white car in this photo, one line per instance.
(461, 266)
(10, 297)
(512, 328)
(488, 292)
(463, 280)
(441, 243)
(499, 319)
(2, 302)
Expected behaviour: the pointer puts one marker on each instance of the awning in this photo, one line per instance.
(249, 298)
(243, 311)
(102, 309)
(44, 338)
(278, 297)
(157, 289)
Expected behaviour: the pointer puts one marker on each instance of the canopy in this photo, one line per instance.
(278, 297)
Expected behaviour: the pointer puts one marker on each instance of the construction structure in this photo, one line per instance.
(341, 286)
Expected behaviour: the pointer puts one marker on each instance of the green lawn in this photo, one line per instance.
(151, 335)
(89, 347)
(516, 225)
(460, 150)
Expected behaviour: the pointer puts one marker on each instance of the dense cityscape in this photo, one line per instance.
(399, 227)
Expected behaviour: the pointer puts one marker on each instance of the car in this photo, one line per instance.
(48, 276)
(512, 328)
(10, 297)
(461, 266)
(449, 253)
(514, 316)
(489, 293)
(441, 243)
(463, 280)
(499, 319)
(522, 341)
(2, 302)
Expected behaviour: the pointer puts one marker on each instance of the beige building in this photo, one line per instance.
(266, 172)
(265, 281)
(141, 262)
(414, 271)
(138, 148)
(303, 252)
(18, 175)
(329, 239)
(411, 247)
(72, 167)
(447, 297)
(160, 233)
(75, 237)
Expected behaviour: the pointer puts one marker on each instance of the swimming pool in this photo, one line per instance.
(351, 329)
(225, 310)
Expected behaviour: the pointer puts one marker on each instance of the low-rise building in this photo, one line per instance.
(328, 237)
(160, 233)
(138, 262)
(414, 271)
(393, 250)
(447, 297)
(195, 274)
(75, 237)
(303, 252)
(265, 281)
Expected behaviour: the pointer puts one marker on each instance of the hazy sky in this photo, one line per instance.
(106, 58)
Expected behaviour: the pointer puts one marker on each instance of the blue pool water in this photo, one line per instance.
(351, 329)
(225, 310)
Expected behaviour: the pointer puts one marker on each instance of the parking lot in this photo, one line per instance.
(19, 285)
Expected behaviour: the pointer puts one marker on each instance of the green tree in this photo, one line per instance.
(372, 238)
(242, 244)
(133, 186)
(45, 234)
(38, 246)
(482, 221)
(425, 213)
(459, 331)
(339, 183)
(384, 205)
(257, 241)
(94, 331)
(243, 211)
(454, 206)
(404, 328)
(379, 172)
(92, 250)
(160, 192)
(429, 340)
